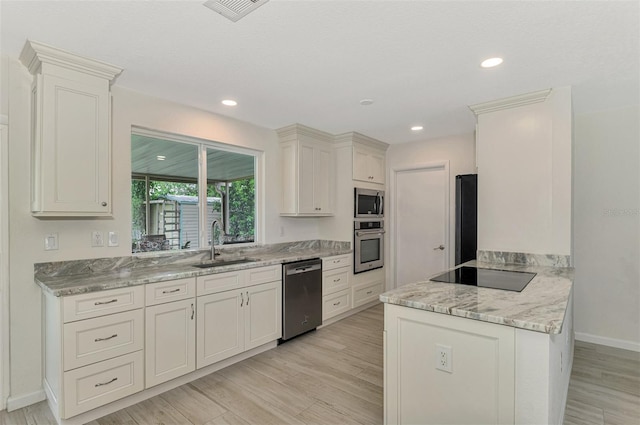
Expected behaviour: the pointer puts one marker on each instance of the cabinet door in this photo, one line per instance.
(170, 341)
(263, 314)
(73, 163)
(322, 181)
(361, 165)
(376, 168)
(306, 188)
(220, 326)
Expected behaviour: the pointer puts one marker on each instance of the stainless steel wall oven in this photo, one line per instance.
(368, 243)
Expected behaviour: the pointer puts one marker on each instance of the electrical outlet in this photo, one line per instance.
(444, 361)
(97, 238)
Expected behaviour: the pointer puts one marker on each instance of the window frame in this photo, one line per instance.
(203, 145)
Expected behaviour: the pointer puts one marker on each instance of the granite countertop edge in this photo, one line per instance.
(92, 282)
(541, 309)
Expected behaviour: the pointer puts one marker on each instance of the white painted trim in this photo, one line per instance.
(609, 342)
(510, 102)
(391, 276)
(4, 119)
(14, 403)
(4, 267)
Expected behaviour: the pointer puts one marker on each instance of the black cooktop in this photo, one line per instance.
(487, 278)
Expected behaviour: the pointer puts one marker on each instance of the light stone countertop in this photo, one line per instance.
(77, 277)
(539, 307)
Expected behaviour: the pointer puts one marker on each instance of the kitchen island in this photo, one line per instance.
(465, 354)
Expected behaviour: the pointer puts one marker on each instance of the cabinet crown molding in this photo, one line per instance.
(34, 54)
(354, 137)
(295, 130)
(510, 102)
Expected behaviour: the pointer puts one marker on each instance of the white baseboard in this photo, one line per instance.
(14, 403)
(610, 342)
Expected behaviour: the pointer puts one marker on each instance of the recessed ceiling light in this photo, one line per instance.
(229, 102)
(161, 157)
(417, 128)
(491, 62)
(366, 102)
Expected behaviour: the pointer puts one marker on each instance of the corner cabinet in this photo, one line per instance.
(307, 163)
(71, 123)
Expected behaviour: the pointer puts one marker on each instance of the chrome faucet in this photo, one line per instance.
(213, 245)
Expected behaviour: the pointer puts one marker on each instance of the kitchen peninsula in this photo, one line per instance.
(469, 355)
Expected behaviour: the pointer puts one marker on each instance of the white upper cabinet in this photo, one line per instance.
(307, 171)
(71, 143)
(368, 165)
(368, 160)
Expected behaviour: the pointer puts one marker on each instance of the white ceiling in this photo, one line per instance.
(311, 62)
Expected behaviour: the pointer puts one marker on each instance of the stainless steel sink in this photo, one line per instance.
(220, 263)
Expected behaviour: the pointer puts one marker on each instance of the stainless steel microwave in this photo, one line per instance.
(368, 203)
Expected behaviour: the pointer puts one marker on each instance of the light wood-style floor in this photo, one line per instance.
(604, 386)
(334, 376)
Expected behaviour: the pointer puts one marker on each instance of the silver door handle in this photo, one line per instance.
(193, 311)
(441, 248)
(100, 384)
(241, 299)
(105, 339)
(247, 297)
(171, 291)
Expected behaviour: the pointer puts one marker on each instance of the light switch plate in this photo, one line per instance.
(51, 242)
(113, 239)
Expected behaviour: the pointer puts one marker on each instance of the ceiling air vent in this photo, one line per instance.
(234, 9)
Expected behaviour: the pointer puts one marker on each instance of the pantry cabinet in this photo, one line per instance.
(307, 172)
(71, 141)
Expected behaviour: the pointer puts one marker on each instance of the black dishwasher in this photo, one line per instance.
(301, 297)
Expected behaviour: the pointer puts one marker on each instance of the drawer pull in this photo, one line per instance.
(106, 339)
(338, 303)
(369, 292)
(115, 300)
(171, 291)
(100, 384)
(336, 280)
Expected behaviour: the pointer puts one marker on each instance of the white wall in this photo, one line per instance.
(606, 224)
(524, 177)
(27, 233)
(458, 150)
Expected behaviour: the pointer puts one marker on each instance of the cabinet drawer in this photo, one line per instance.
(264, 274)
(98, 384)
(363, 294)
(94, 304)
(220, 282)
(172, 290)
(335, 280)
(335, 262)
(93, 340)
(335, 304)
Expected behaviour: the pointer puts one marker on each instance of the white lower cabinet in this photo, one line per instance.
(98, 384)
(103, 346)
(336, 285)
(335, 304)
(365, 293)
(474, 384)
(231, 322)
(170, 331)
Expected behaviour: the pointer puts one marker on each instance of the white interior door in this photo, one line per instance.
(421, 218)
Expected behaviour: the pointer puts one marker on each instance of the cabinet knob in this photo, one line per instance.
(104, 204)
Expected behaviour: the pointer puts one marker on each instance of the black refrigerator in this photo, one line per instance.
(466, 217)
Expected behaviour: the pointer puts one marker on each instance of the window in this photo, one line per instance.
(167, 185)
